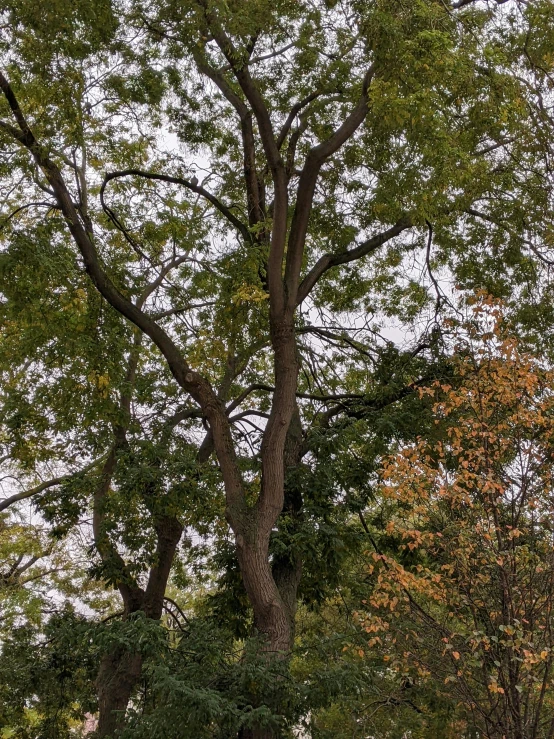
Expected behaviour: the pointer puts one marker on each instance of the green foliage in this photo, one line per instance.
(207, 686)
(457, 140)
(46, 680)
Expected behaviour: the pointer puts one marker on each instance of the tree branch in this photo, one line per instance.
(263, 57)
(296, 108)
(333, 337)
(244, 414)
(254, 187)
(177, 608)
(305, 396)
(41, 204)
(463, 3)
(194, 383)
(307, 184)
(327, 261)
(7, 502)
(223, 209)
(490, 219)
(276, 164)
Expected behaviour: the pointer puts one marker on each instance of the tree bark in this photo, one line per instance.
(120, 670)
(287, 570)
(256, 733)
(278, 624)
(118, 675)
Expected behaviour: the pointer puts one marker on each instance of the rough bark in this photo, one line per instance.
(271, 616)
(287, 571)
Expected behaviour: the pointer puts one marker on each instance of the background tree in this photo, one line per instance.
(467, 601)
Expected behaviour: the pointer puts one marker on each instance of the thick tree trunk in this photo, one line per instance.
(276, 600)
(118, 675)
(253, 528)
(287, 569)
(271, 618)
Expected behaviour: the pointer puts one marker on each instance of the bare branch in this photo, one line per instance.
(438, 293)
(149, 289)
(333, 337)
(254, 185)
(245, 393)
(176, 311)
(494, 147)
(17, 571)
(464, 3)
(177, 608)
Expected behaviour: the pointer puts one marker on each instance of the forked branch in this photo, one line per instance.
(307, 183)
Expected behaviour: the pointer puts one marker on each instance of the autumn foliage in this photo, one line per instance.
(463, 580)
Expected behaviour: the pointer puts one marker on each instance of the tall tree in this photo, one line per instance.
(324, 133)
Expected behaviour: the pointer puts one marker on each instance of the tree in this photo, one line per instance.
(467, 602)
(329, 133)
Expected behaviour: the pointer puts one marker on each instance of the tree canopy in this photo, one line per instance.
(235, 243)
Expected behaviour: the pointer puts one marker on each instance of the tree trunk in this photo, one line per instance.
(256, 734)
(118, 675)
(120, 670)
(275, 618)
(270, 613)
